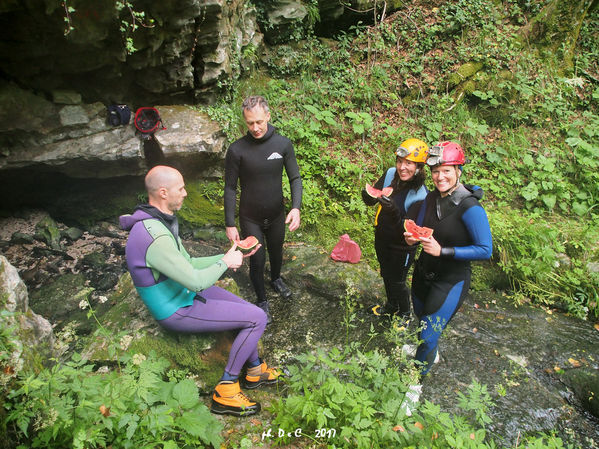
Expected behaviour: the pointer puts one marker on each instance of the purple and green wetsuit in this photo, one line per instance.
(178, 289)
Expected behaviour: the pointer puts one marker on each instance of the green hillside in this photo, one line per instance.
(525, 113)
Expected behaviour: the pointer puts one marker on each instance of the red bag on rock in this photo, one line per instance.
(346, 250)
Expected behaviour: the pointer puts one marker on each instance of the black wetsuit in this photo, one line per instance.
(440, 284)
(392, 252)
(258, 165)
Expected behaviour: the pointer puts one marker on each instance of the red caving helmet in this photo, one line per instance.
(446, 153)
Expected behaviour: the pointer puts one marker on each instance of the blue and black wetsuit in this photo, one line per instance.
(394, 255)
(440, 284)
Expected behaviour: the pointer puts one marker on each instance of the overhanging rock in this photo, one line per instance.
(86, 147)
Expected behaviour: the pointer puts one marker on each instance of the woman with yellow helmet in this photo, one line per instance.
(394, 255)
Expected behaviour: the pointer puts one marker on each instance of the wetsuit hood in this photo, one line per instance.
(446, 204)
(464, 191)
(270, 130)
(129, 220)
(145, 211)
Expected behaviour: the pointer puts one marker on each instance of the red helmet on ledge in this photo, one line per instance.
(446, 153)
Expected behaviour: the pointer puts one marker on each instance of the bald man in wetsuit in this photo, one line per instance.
(179, 290)
(256, 161)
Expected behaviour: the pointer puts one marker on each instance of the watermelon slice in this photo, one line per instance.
(376, 193)
(417, 232)
(247, 243)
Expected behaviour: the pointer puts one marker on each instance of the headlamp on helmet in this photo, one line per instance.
(446, 153)
(414, 150)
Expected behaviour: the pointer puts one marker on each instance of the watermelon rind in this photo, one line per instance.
(247, 243)
(376, 193)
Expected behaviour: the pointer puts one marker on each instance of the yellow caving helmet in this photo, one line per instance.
(414, 150)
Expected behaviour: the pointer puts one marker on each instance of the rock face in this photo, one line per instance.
(76, 140)
(63, 64)
(189, 46)
(57, 81)
(33, 337)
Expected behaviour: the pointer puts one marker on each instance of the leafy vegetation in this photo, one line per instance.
(135, 400)
(356, 398)
(128, 18)
(454, 72)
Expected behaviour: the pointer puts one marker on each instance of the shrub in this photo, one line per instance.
(76, 405)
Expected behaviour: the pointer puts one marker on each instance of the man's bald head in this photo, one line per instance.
(159, 177)
(166, 188)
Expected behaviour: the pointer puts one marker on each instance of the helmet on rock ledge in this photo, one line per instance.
(414, 150)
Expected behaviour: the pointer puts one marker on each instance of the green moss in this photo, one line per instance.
(47, 230)
(211, 234)
(122, 305)
(59, 300)
(3, 293)
(488, 276)
(202, 354)
(464, 72)
(95, 260)
(328, 230)
(197, 210)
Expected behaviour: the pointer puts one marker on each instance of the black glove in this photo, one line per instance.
(386, 203)
(389, 207)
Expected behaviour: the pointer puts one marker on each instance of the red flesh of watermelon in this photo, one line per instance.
(417, 232)
(376, 193)
(247, 243)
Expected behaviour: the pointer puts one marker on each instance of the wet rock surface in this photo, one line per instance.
(540, 366)
(536, 363)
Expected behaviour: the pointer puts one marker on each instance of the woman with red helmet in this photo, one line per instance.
(394, 256)
(461, 234)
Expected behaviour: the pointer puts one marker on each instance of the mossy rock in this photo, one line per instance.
(59, 301)
(48, 232)
(95, 260)
(198, 211)
(464, 72)
(204, 355)
(488, 276)
(468, 87)
(21, 238)
(585, 384)
(72, 233)
(211, 234)
(330, 279)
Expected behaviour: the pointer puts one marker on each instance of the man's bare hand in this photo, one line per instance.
(233, 258)
(253, 251)
(293, 218)
(232, 233)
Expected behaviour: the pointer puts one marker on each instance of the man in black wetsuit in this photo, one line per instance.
(257, 160)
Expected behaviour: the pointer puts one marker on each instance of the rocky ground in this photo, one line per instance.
(540, 366)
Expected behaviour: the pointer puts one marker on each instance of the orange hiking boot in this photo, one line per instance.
(228, 399)
(261, 375)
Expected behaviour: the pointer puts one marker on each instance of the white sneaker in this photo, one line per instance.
(411, 399)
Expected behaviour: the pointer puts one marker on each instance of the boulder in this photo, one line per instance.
(192, 138)
(317, 272)
(31, 339)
